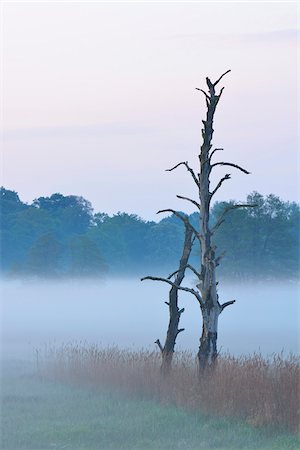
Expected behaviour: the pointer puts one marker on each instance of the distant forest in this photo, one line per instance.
(61, 236)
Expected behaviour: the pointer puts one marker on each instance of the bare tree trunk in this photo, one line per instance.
(174, 311)
(210, 307)
(206, 293)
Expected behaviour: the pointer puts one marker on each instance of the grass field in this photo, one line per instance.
(261, 391)
(42, 414)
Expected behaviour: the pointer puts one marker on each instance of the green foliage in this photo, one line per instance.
(75, 212)
(164, 243)
(123, 240)
(262, 241)
(86, 258)
(45, 256)
(259, 241)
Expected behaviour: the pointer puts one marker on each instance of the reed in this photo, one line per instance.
(262, 391)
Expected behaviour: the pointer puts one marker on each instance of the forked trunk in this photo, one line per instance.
(206, 293)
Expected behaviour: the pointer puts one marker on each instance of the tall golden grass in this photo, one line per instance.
(261, 391)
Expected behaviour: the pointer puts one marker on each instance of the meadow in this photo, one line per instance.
(85, 396)
(87, 399)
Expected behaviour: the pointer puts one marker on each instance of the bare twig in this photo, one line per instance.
(189, 200)
(186, 164)
(187, 266)
(214, 151)
(226, 177)
(221, 92)
(181, 288)
(226, 211)
(159, 345)
(231, 165)
(205, 93)
(231, 302)
(219, 79)
(184, 219)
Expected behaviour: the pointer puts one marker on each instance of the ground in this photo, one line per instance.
(39, 414)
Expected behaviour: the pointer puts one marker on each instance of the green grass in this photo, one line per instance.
(39, 414)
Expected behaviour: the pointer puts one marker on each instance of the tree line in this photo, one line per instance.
(61, 236)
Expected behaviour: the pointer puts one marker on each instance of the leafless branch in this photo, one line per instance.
(159, 345)
(226, 177)
(186, 164)
(231, 165)
(176, 213)
(177, 165)
(231, 302)
(221, 92)
(181, 288)
(209, 84)
(184, 219)
(226, 211)
(187, 266)
(219, 79)
(218, 259)
(214, 151)
(205, 93)
(189, 200)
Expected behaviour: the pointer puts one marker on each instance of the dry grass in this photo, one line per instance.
(261, 391)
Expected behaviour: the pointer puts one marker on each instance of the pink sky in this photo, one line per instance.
(99, 98)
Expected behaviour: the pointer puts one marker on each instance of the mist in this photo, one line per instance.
(132, 314)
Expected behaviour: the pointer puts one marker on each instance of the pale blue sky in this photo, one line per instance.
(99, 98)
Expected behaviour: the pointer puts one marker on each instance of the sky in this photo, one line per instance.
(99, 98)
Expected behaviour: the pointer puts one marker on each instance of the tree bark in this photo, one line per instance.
(206, 293)
(174, 311)
(210, 306)
(207, 353)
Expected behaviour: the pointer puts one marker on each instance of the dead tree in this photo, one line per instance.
(175, 312)
(206, 287)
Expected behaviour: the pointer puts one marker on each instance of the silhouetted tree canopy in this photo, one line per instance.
(60, 236)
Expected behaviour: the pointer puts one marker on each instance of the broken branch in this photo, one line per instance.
(185, 163)
(205, 93)
(214, 151)
(231, 302)
(184, 219)
(231, 165)
(189, 200)
(181, 288)
(226, 177)
(187, 266)
(226, 211)
(159, 345)
(219, 79)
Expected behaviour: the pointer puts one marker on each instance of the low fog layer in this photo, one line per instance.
(130, 313)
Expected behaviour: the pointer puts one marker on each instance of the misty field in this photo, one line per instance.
(264, 317)
(88, 397)
(109, 399)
